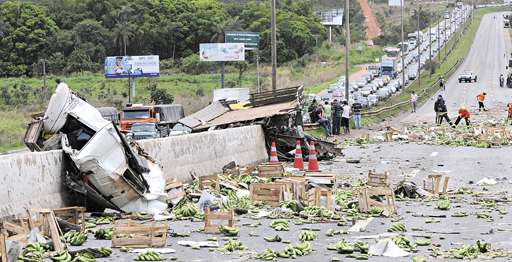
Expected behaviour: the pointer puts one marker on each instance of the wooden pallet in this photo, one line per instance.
(270, 170)
(366, 201)
(315, 195)
(296, 186)
(212, 182)
(130, 234)
(45, 221)
(73, 215)
(269, 193)
(210, 217)
(3, 246)
(432, 184)
(378, 179)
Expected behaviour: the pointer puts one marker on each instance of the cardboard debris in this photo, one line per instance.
(159, 250)
(387, 248)
(198, 244)
(487, 182)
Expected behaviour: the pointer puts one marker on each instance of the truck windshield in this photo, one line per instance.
(142, 114)
(143, 128)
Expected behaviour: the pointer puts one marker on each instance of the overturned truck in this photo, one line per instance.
(100, 164)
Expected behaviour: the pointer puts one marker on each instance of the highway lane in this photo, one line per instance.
(487, 58)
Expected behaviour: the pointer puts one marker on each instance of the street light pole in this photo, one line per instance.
(419, 47)
(430, 45)
(347, 47)
(402, 3)
(274, 48)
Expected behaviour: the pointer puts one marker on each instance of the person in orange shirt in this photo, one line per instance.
(463, 113)
(481, 98)
(509, 118)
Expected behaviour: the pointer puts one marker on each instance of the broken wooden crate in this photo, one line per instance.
(174, 190)
(3, 246)
(316, 194)
(16, 230)
(130, 234)
(328, 180)
(210, 219)
(73, 215)
(432, 184)
(296, 186)
(378, 179)
(268, 193)
(381, 197)
(212, 182)
(45, 221)
(267, 170)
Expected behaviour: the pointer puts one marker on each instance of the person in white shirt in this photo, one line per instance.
(414, 101)
(345, 116)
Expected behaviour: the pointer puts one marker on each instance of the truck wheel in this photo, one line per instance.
(460, 80)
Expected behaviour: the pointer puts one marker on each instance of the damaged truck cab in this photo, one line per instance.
(101, 163)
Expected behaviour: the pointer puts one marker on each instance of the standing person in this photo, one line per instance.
(345, 118)
(509, 109)
(441, 83)
(414, 100)
(502, 80)
(463, 114)
(337, 112)
(356, 109)
(442, 111)
(312, 110)
(509, 80)
(328, 111)
(481, 99)
(437, 107)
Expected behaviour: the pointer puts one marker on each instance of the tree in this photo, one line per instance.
(122, 34)
(219, 30)
(242, 67)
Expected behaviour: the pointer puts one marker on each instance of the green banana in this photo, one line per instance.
(280, 225)
(307, 235)
(229, 231)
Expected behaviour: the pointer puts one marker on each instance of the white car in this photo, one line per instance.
(468, 76)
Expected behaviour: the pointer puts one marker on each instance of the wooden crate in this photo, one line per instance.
(174, 190)
(432, 184)
(130, 234)
(270, 170)
(269, 193)
(212, 182)
(210, 217)
(378, 179)
(45, 221)
(73, 215)
(321, 179)
(16, 230)
(296, 187)
(315, 195)
(366, 201)
(3, 246)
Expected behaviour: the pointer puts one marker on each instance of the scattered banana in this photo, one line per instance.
(104, 220)
(83, 257)
(62, 257)
(104, 251)
(361, 247)
(33, 252)
(149, 256)
(423, 242)
(268, 254)
(104, 233)
(229, 231)
(74, 238)
(397, 227)
(404, 243)
(317, 212)
(292, 205)
(275, 238)
(444, 204)
(233, 245)
(307, 235)
(186, 210)
(344, 248)
(280, 225)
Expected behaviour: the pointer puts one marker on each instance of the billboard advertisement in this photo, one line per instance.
(132, 66)
(250, 39)
(395, 2)
(222, 52)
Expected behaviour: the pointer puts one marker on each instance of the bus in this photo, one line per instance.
(392, 52)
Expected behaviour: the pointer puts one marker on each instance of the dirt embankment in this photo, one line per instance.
(372, 26)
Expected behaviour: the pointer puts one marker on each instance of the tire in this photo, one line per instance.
(460, 80)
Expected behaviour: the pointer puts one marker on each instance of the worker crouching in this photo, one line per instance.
(463, 114)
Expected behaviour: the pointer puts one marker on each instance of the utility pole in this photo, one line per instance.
(274, 48)
(438, 44)
(347, 47)
(419, 47)
(402, 3)
(430, 46)
(43, 93)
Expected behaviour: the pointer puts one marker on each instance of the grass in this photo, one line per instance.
(13, 124)
(460, 51)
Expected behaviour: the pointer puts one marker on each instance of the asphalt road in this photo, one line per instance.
(487, 58)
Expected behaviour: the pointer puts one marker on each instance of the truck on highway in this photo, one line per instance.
(164, 116)
(388, 66)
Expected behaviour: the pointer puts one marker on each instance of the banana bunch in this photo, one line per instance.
(423, 242)
(103, 251)
(291, 204)
(375, 211)
(36, 248)
(149, 256)
(83, 257)
(233, 245)
(62, 257)
(397, 227)
(307, 235)
(275, 238)
(104, 220)
(344, 248)
(30, 257)
(186, 210)
(280, 225)
(104, 233)
(33, 252)
(229, 231)
(74, 238)
(268, 254)
(89, 225)
(404, 243)
(317, 212)
(361, 247)
(444, 204)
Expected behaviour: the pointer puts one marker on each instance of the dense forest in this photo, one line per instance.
(76, 35)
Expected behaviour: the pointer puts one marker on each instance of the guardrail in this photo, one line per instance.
(432, 87)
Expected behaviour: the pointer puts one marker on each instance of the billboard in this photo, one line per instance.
(395, 2)
(250, 39)
(332, 17)
(222, 52)
(132, 66)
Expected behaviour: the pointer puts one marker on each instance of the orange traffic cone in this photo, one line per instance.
(298, 162)
(273, 154)
(312, 162)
